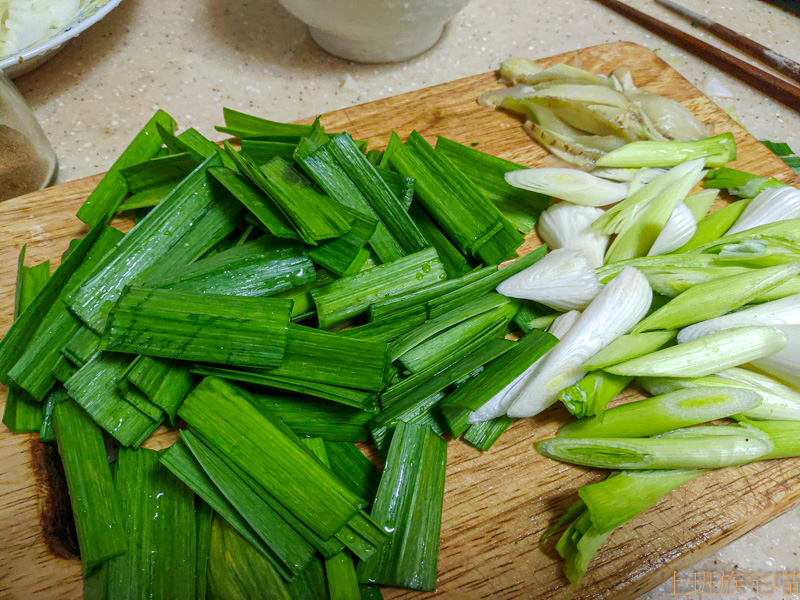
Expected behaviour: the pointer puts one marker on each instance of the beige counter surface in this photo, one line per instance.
(191, 57)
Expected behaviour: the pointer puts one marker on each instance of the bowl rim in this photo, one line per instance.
(30, 53)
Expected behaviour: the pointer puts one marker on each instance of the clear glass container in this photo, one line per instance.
(27, 160)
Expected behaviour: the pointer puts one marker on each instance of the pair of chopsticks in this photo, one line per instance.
(776, 88)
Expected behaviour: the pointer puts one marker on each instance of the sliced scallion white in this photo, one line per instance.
(680, 228)
(567, 225)
(663, 413)
(563, 280)
(783, 364)
(572, 185)
(624, 214)
(770, 206)
(614, 312)
(778, 402)
(498, 405)
(645, 175)
(785, 311)
(695, 452)
(706, 355)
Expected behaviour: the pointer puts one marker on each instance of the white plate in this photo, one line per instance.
(27, 59)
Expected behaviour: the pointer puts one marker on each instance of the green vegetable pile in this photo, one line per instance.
(279, 304)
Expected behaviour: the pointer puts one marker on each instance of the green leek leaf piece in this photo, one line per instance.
(445, 343)
(409, 503)
(394, 143)
(351, 296)
(715, 298)
(290, 552)
(425, 411)
(371, 592)
(182, 464)
(468, 293)
(496, 376)
(402, 187)
(468, 220)
(374, 157)
(449, 370)
(232, 330)
(159, 518)
(346, 255)
(320, 166)
(82, 346)
(362, 535)
(208, 232)
(499, 246)
(25, 326)
(391, 328)
(204, 516)
(238, 572)
(163, 170)
(95, 584)
(194, 142)
(455, 265)
(313, 216)
(112, 189)
(521, 207)
(165, 383)
(255, 201)
(149, 197)
(47, 432)
(148, 242)
(246, 126)
(262, 267)
(98, 519)
(326, 547)
(33, 371)
(140, 401)
(431, 328)
(261, 445)
(22, 414)
(94, 388)
(307, 417)
(349, 397)
(388, 207)
(341, 573)
(333, 359)
(395, 304)
(264, 151)
(303, 303)
(353, 468)
(483, 436)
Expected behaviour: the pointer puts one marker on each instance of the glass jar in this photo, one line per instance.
(27, 160)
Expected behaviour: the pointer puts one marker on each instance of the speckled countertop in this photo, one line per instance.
(190, 57)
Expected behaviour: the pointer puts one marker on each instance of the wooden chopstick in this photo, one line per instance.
(777, 61)
(774, 87)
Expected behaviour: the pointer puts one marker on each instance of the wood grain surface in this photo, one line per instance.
(496, 504)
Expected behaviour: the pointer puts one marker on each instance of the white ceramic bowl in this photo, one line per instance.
(29, 58)
(375, 30)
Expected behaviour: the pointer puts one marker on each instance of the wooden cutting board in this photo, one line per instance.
(497, 504)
